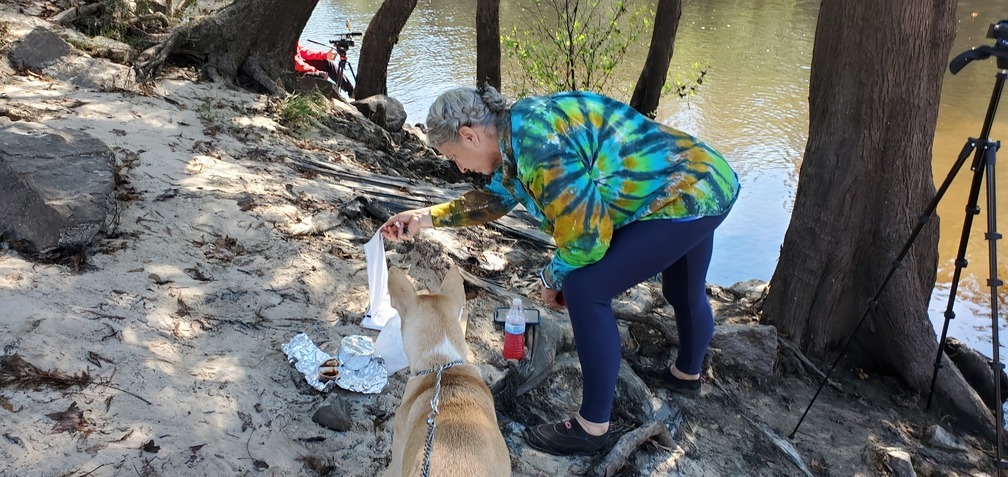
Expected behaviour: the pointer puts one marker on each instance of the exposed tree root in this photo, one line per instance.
(629, 442)
(785, 447)
(807, 362)
(254, 70)
(150, 61)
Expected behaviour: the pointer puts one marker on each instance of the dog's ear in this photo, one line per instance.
(401, 290)
(452, 286)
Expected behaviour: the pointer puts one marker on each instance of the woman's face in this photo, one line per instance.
(475, 151)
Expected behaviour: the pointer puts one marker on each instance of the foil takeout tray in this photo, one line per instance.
(358, 369)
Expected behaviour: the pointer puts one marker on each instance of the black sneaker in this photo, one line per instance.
(564, 438)
(664, 377)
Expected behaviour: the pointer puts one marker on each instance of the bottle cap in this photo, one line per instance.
(516, 301)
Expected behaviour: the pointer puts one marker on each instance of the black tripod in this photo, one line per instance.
(982, 167)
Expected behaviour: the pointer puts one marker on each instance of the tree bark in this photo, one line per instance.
(248, 40)
(488, 50)
(649, 86)
(877, 70)
(376, 49)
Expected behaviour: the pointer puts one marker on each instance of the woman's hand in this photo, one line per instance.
(552, 298)
(405, 225)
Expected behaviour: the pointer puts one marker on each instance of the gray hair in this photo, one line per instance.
(459, 107)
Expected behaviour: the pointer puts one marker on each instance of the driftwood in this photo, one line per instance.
(401, 194)
(71, 14)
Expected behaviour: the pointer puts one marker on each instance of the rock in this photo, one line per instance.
(145, 7)
(941, 438)
(43, 52)
(750, 289)
(898, 460)
(351, 123)
(382, 110)
(54, 187)
(746, 349)
(308, 83)
(335, 416)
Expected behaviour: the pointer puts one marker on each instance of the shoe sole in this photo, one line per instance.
(556, 453)
(684, 391)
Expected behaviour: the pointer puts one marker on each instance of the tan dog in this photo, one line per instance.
(467, 441)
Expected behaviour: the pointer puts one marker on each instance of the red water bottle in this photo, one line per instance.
(514, 331)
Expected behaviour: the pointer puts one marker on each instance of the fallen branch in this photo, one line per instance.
(617, 457)
(71, 14)
(14, 370)
(402, 194)
(117, 388)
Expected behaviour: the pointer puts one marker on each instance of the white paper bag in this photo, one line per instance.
(380, 314)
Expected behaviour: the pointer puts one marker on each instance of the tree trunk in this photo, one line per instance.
(649, 86)
(488, 50)
(376, 49)
(875, 85)
(246, 40)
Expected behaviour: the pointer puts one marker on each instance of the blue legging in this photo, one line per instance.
(681, 252)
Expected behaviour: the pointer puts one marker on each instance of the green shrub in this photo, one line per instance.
(298, 111)
(573, 44)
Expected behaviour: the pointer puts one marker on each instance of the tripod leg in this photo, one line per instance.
(960, 262)
(873, 302)
(993, 236)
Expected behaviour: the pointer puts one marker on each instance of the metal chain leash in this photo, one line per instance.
(429, 446)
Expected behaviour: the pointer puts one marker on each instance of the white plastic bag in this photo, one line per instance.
(380, 314)
(389, 346)
(380, 310)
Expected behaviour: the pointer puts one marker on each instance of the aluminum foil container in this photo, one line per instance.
(355, 352)
(359, 370)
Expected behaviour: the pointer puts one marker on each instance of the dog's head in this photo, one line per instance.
(432, 332)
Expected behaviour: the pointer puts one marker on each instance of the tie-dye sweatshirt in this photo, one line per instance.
(586, 165)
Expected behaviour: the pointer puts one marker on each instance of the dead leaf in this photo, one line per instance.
(4, 403)
(150, 447)
(246, 204)
(246, 421)
(168, 194)
(183, 309)
(14, 439)
(157, 279)
(198, 274)
(72, 420)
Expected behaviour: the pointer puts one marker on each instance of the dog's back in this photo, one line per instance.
(467, 441)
